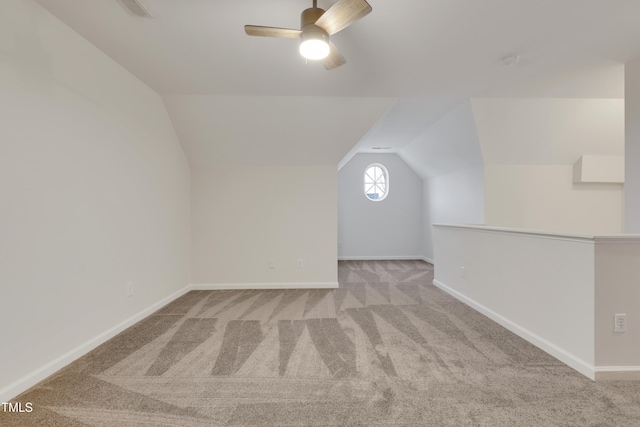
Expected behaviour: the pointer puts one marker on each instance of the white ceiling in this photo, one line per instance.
(431, 54)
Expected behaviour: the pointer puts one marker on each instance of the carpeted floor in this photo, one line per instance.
(386, 348)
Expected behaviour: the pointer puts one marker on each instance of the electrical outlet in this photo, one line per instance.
(300, 263)
(129, 289)
(272, 264)
(463, 272)
(620, 323)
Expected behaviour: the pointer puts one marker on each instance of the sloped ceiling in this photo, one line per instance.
(424, 52)
(548, 131)
(449, 145)
(506, 131)
(219, 131)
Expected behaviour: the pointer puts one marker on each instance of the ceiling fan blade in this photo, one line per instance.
(286, 33)
(334, 59)
(342, 14)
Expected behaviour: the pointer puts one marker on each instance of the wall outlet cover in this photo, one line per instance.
(620, 323)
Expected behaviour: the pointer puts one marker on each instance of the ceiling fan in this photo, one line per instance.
(316, 25)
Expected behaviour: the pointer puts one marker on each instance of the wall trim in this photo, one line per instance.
(537, 234)
(627, 239)
(559, 353)
(23, 384)
(275, 285)
(617, 373)
(382, 258)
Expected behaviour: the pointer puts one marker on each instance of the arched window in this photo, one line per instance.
(376, 182)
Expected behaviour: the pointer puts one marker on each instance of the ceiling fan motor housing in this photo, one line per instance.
(310, 16)
(308, 19)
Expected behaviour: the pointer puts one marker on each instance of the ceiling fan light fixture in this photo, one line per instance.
(314, 43)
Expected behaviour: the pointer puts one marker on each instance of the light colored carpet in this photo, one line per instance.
(386, 348)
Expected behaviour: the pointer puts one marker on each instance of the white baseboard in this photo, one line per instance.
(559, 353)
(19, 386)
(429, 260)
(617, 373)
(382, 258)
(285, 285)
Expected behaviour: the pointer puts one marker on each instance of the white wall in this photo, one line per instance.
(386, 229)
(242, 217)
(529, 148)
(632, 147)
(544, 197)
(264, 183)
(454, 198)
(617, 290)
(559, 291)
(94, 193)
(511, 283)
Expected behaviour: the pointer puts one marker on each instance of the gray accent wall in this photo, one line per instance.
(448, 157)
(386, 229)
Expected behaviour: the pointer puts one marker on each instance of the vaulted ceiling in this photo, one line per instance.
(425, 56)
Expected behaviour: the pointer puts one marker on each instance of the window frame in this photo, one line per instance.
(385, 173)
